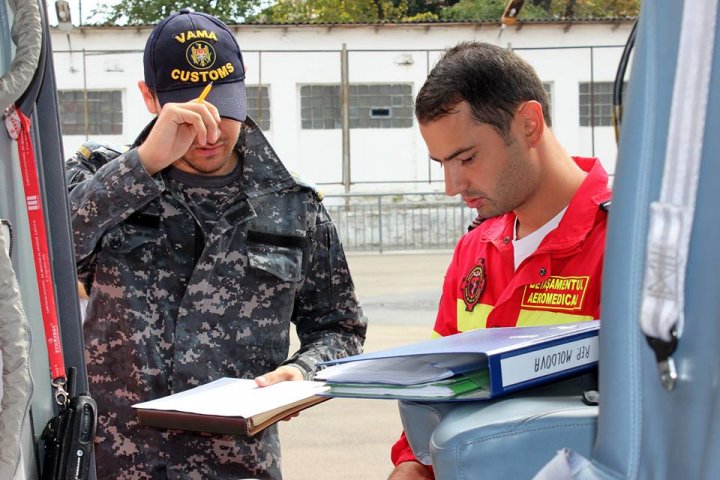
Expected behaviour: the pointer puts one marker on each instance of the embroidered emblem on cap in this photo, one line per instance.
(188, 50)
(200, 55)
(473, 285)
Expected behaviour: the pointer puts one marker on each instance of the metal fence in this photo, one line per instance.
(398, 221)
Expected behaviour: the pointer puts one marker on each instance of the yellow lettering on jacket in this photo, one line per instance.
(556, 293)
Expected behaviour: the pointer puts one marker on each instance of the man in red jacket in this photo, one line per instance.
(537, 259)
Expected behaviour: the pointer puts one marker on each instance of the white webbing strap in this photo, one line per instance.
(671, 217)
(567, 464)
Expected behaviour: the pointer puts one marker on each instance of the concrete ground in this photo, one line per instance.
(350, 439)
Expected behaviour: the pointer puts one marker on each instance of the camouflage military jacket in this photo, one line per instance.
(164, 316)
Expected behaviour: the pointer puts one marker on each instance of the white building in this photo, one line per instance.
(297, 71)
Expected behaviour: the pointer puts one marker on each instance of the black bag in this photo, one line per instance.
(68, 440)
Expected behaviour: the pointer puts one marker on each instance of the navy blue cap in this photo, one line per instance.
(188, 50)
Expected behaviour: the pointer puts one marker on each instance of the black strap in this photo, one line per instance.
(9, 236)
(278, 240)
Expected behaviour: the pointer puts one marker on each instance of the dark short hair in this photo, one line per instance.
(493, 80)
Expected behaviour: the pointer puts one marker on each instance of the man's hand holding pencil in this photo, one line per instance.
(178, 126)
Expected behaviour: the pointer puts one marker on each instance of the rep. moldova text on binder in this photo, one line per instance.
(478, 364)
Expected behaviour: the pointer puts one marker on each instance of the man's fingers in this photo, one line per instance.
(177, 127)
(194, 120)
(203, 117)
(265, 380)
(281, 374)
(211, 119)
(290, 417)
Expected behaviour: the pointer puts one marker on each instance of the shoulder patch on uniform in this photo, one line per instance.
(473, 285)
(307, 184)
(87, 149)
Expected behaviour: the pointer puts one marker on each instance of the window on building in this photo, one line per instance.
(601, 101)
(320, 107)
(371, 106)
(104, 112)
(381, 106)
(548, 86)
(258, 99)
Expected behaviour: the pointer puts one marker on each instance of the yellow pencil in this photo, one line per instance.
(205, 92)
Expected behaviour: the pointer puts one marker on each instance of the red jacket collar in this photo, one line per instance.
(578, 219)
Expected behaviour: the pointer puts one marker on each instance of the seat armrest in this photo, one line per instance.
(510, 438)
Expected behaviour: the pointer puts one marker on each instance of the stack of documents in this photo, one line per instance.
(478, 364)
(474, 365)
(230, 406)
(466, 386)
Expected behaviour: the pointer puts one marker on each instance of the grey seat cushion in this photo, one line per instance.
(510, 439)
(507, 437)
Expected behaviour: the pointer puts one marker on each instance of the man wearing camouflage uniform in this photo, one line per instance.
(198, 249)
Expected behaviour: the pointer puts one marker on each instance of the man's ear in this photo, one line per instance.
(149, 98)
(533, 122)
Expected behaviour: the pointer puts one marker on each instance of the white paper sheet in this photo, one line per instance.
(233, 397)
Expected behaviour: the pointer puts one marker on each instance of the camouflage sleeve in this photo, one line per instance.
(328, 316)
(100, 198)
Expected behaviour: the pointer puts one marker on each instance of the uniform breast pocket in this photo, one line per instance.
(283, 262)
(130, 258)
(131, 240)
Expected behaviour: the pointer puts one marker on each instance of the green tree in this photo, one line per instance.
(428, 6)
(334, 11)
(147, 12)
(348, 11)
(419, 10)
(545, 9)
(476, 10)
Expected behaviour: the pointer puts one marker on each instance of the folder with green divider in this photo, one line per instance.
(473, 365)
(462, 386)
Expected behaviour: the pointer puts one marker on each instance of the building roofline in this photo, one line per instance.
(566, 22)
(423, 23)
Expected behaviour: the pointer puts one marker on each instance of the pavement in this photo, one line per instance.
(350, 439)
